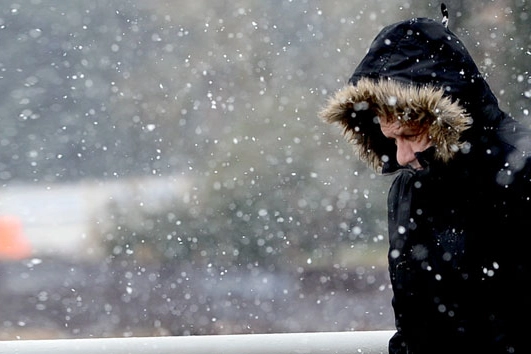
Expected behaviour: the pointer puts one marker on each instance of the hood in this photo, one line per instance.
(418, 72)
(357, 108)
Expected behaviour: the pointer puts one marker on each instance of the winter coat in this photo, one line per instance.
(459, 229)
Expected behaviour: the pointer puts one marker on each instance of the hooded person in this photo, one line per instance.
(460, 219)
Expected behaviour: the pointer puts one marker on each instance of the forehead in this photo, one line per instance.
(397, 127)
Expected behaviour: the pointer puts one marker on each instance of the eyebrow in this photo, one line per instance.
(393, 130)
(409, 130)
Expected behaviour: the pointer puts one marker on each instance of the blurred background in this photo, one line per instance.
(163, 170)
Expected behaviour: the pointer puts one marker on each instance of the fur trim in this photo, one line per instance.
(357, 108)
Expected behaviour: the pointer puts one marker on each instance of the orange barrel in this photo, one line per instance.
(13, 243)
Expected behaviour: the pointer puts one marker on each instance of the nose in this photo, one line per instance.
(405, 154)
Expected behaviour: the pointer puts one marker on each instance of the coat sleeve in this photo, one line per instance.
(397, 345)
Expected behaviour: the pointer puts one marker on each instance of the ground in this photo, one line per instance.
(51, 298)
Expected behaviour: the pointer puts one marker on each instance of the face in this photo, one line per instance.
(409, 139)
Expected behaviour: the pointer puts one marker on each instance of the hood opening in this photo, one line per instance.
(357, 108)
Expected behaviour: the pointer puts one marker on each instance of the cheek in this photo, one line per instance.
(420, 142)
(423, 144)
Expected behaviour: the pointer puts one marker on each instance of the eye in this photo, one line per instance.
(410, 137)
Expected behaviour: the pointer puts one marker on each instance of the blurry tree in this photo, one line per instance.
(515, 55)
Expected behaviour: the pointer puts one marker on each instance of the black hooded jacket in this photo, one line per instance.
(459, 229)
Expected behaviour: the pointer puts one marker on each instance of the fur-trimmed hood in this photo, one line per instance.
(357, 108)
(418, 72)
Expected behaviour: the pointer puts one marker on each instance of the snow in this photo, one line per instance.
(172, 176)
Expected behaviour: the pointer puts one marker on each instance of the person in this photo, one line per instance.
(459, 207)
